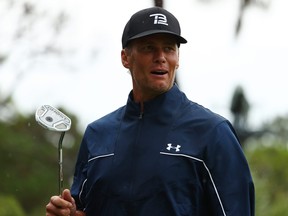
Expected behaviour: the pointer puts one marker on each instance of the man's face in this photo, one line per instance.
(152, 61)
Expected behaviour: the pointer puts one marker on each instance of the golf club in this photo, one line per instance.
(54, 120)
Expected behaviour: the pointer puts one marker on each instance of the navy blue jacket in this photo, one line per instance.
(176, 158)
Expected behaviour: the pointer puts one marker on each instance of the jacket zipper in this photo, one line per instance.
(141, 110)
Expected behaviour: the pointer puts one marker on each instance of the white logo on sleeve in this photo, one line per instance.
(176, 148)
(159, 19)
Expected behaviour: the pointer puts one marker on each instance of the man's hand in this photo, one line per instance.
(62, 206)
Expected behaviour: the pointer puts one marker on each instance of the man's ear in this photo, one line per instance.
(124, 59)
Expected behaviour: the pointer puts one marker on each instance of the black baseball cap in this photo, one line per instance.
(151, 21)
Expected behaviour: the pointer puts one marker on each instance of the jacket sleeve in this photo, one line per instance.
(78, 189)
(231, 192)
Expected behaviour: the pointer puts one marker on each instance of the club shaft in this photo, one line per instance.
(60, 160)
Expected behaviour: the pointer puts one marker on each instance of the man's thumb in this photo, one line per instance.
(66, 195)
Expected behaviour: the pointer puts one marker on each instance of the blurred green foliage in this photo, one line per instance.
(268, 165)
(10, 207)
(29, 163)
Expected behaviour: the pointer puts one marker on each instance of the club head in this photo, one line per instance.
(52, 119)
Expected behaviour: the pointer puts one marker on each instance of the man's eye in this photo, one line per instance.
(169, 49)
(147, 48)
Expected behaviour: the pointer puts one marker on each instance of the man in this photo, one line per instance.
(160, 154)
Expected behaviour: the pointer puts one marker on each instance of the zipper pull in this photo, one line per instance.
(141, 115)
(141, 110)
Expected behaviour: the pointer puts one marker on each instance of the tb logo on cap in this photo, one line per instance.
(159, 19)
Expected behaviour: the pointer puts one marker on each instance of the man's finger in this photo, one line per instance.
(60, 202)
(67, 196)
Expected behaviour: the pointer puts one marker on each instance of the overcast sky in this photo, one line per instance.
(90, 81)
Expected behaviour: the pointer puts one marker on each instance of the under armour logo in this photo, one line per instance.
(159, 19)
(176, 148)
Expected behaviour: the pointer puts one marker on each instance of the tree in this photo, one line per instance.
(10, 207)
(28, 20)
(28, 160)
(268, 167)
(244, 4)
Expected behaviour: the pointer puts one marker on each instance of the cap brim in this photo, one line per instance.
(150, 32)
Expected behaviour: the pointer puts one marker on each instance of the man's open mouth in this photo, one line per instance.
(159, 72)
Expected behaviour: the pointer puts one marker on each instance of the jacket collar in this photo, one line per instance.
(164, 104)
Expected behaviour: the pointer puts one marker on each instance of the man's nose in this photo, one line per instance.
(159, 56)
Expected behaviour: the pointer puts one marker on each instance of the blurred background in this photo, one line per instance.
(67, 54)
